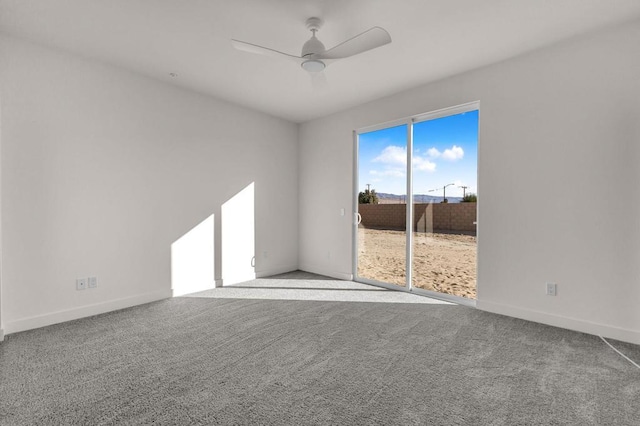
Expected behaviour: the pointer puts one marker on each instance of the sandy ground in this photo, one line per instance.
(445, 263)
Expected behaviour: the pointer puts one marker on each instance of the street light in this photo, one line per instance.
(444, 191)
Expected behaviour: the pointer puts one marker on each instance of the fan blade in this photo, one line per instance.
(370, 39)
(261, 50)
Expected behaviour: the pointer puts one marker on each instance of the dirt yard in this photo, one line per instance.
(445, 263)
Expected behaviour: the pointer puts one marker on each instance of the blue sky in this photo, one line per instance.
(445, 150)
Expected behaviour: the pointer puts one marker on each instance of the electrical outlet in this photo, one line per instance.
(93, 282)
(552, 289)
(81, 283)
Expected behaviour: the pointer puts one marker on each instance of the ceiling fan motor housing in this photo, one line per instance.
(313, 46)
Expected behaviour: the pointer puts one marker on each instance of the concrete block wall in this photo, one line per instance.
(384, 216)
(427, 217)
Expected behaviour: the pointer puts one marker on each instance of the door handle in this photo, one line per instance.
(358, 218)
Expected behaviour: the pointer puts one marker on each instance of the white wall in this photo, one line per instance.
(102, 170)
(1, 322)
(558, 173)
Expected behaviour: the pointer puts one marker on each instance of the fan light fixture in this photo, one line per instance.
(313, 65)
(314, 57)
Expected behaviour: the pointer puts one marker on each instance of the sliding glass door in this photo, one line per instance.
(382, 208)
(444, 194)
(425, 242)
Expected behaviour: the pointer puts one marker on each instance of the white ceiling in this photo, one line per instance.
(432, 39)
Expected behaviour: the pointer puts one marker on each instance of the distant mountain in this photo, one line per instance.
(385, 198)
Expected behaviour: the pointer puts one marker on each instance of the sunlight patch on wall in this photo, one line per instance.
(238, 237)
(192, 260)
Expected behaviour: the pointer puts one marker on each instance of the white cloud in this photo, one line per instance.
(433, 153)
(453, 154)
(395, 156)
(392, 155)
(423, 164)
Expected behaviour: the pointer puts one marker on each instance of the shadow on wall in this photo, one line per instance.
(193, 260)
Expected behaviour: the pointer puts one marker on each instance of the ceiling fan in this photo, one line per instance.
(314, 56)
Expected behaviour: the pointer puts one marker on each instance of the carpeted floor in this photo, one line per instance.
(220, 360)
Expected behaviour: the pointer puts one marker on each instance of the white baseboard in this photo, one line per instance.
(322, 271)
(275, 271)
(625, 335)
(38, 321)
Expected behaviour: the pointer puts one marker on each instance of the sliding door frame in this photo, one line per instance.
(409, 122)
(356, 143)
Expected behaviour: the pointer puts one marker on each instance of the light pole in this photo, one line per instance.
(464, 190)
(444, 191)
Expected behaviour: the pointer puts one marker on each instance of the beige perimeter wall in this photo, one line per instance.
(454, 217)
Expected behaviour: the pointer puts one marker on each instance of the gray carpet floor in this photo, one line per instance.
(221, 360)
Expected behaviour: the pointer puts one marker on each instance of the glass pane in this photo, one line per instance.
(382, 177)
(444, 187)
